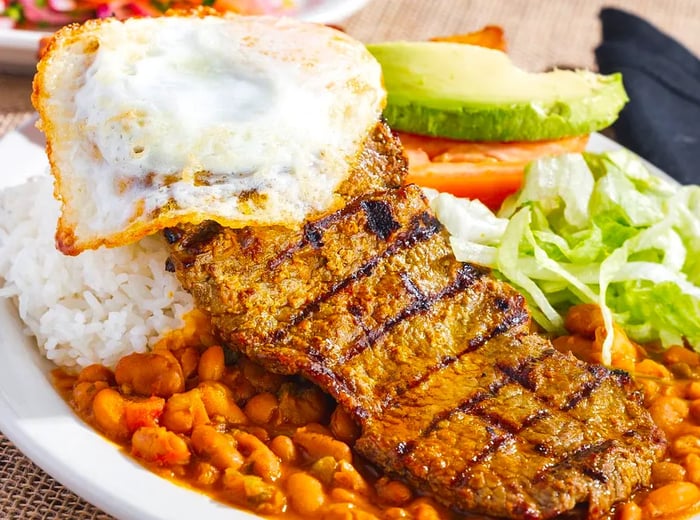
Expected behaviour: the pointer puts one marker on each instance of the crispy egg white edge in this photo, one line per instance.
(239, 119)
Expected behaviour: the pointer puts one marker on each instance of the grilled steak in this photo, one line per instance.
(432, 357)
(381, 164)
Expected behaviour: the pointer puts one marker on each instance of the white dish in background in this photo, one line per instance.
(18, 50)
(18, 47)
(328, 11)
(35, 418)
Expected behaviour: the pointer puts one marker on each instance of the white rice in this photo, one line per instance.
(93, 308)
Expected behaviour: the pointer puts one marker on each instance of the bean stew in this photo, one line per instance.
(277, 446)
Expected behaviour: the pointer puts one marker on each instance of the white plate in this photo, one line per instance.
(44, 428)
(18, 47)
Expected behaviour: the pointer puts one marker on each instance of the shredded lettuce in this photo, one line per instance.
(592, 228)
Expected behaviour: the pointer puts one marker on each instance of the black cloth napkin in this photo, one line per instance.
(662, 78)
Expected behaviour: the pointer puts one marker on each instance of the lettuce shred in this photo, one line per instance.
(592, 228)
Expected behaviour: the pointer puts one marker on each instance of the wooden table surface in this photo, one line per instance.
(540, 34)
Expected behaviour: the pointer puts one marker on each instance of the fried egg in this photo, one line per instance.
(245, 120)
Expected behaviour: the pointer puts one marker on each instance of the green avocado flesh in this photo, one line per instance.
(474, 93)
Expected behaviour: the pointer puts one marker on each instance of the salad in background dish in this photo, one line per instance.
(54, 13)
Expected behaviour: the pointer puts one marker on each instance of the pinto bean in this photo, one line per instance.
(261, 408)
(205, 474)
(650, 389)
(670, 499)
(339, 511)
(188, 358)
(284, 448)
(343, 427)
(184, 411)
(344, 495)
(266, 464)
(624, 352)
(254, 493)
(160, 446)
(347, 477)
(679, 354)
(649, 367)
(305, 493)
(346, 511)
(219, 448)
(630, 511)
(84, 392)
(395, 513)
(393, 492)
(154, 373)
(220, 404)
(143, 412)
(695, 410)
(96, 372)
(664, 472)
(692, 391)
(248, 442)
(685, 445)
(211, 364)
(263, 461)
(692, 467)
(423, 509)
(108, 408)
(317, 445)
(584, 319)
(669, 412)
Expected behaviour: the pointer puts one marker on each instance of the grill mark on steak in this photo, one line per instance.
(422, 228)
(472, 405)
(194, 244)
(334, 383)
(466, 276)
(313, 231)
(380, 219)
(523, 409)
(380, 165)
(411, 287)
(473, 344)
(466, 406)
(520, 374)
(515, 374)
(313, 234)
(599, 374)
(584, 452)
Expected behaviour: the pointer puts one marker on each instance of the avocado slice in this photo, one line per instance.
(473, 93)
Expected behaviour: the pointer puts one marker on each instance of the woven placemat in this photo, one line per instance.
(27, 493)
(540, 34)
(15, 105)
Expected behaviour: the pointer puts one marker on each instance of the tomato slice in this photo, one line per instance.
(477, 170)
